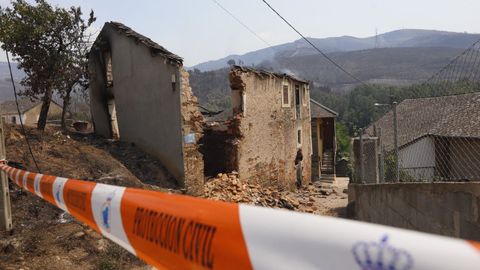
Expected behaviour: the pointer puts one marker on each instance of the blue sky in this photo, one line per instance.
(198, 30)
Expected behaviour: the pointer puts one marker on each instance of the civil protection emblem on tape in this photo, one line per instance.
(106, 201)
(381, 256)
(24, 180)
(36, 185)
(58, 185)
(107, 212)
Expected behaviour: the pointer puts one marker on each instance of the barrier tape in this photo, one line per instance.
(181, 232)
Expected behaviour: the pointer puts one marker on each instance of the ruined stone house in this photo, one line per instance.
(139, 93)
(269, 124)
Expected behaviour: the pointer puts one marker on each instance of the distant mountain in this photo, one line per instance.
(393, 66)
(407, 38)
(390, 66)
(6, 91)
(18, 74)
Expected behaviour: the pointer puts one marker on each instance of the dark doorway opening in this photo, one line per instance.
(219, 152)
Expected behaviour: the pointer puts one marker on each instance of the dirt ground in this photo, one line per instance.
(46, 238)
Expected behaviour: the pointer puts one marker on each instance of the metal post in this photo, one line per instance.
(381, 168)
(395, 137)
(5, 208)
(362, 177)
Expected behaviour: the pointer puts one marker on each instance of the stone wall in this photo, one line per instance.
(192, 128)
(450, 209)
(267, 132)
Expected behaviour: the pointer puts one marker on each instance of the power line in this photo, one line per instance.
(269, 46)
(20, 114)
(313, 45)
(240, 22)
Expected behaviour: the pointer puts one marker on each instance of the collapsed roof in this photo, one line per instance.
(264, 73)
(154, 47)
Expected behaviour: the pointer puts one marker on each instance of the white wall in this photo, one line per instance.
(418, 159)
(8, 118)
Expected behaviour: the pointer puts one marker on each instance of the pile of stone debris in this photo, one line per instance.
(227, 187)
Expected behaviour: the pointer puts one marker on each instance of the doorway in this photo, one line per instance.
(112, 113)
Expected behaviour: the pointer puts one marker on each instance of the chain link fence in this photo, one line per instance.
(430, 134)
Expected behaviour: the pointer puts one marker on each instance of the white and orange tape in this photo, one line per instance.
(181, 232)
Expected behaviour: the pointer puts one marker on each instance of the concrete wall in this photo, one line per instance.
(450, 209)
(148, 106)
(370, 160)
(418, 159)
(268, 132)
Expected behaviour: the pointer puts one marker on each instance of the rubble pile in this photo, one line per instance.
(228, 188)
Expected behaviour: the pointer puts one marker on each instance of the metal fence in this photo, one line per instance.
(431, 133)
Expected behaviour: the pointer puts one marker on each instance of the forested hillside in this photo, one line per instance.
(356, 108)
(404, 38)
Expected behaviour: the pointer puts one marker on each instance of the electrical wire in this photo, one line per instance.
(313, 45)
(269, 46)
(20, 114)
(243, 24)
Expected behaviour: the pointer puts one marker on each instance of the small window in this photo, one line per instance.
(14, 119)
(285, 96)
(174, 82)
(299, 137)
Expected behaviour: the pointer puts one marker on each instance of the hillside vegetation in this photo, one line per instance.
(405, 38)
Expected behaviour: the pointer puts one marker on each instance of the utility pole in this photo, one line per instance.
(362, 169)
(381, 168)
(5, 208)
(395, 137)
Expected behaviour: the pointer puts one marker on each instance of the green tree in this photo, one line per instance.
(46, 42)
(343, 141)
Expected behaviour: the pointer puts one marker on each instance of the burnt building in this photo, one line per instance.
(266, 137)
(140, 93)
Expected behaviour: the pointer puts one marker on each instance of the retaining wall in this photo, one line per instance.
(450, 209)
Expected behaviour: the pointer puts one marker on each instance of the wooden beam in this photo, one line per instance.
(5, 208)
